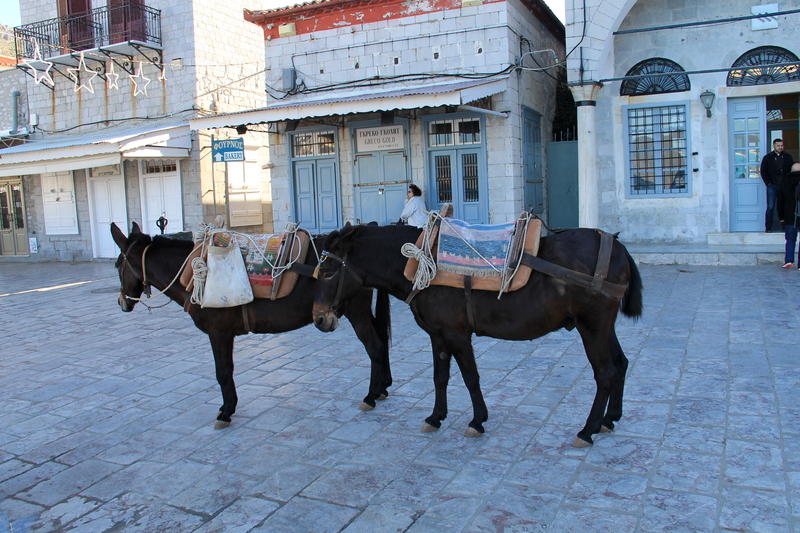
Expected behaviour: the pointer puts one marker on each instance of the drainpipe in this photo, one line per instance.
(15, 112)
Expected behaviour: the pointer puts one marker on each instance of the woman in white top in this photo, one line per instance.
(414, 208)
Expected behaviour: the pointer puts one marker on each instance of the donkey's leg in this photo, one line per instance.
(359, 313)
(595, 342)
(441, 375)
(222, 346)
(465, 357)
(614, 412)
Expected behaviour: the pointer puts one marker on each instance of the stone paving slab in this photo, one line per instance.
(108, 419)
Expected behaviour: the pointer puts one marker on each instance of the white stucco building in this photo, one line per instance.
(107, 89)
(654, 161)
(365, 97)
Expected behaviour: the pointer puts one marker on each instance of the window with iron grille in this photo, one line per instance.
(763, 65)
(313, 144)
(454, 132)
(159, 166)
(657, 149)
(658, 75)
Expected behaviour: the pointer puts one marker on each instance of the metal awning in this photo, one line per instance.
(361, 100)
(72, 152)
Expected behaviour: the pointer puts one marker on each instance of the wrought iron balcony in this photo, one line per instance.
(123, 29)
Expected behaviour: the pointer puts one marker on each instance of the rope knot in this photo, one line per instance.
(200, 271)
(427, 267)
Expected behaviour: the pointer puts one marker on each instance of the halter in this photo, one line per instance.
(143, 277)
(345, 267)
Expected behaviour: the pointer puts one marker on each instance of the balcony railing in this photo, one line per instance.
(104, 26)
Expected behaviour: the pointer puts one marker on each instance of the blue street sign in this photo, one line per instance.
(225, 150)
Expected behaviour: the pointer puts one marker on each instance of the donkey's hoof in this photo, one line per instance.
(366, 407)
(383, 396)
(605, 429)
(427, 428)
(221, 424)
(580, 443)
(472, 432)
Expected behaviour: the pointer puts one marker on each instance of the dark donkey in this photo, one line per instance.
(365, 256)
(164, 258)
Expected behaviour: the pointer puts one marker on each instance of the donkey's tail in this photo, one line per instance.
(383, 319)
(632, 301)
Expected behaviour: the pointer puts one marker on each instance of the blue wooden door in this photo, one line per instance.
(458, 179)
(316, 194)
(532, 161)
(747, 132)
(381, 182)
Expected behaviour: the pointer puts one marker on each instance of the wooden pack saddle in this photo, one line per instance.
(530, 246)
(290, 247)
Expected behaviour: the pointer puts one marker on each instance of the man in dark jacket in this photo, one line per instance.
(789, 212)
(774, 166)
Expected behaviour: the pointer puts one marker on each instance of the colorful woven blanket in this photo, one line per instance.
(260, 254)
(477, 250)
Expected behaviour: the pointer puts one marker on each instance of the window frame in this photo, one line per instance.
(629, 175)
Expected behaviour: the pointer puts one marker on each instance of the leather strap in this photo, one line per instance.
(468, 294)
(596, 282)
(246, 317)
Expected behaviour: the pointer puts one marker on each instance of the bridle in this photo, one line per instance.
(142, 277)
(345, 268)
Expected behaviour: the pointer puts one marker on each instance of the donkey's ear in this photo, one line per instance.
(135, 229)
(119, 237)
(348, 225)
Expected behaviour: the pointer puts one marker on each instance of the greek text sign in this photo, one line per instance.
(225, 150)
(380, 138)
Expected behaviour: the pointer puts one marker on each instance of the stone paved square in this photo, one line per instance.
(108, 419)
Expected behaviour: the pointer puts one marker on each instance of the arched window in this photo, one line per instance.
(765, 64)
(658, 75)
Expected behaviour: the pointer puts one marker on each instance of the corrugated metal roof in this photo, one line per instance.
(403, 95)
(110, 136)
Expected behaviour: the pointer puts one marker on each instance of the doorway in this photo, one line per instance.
(106, 205)
(13, 235)
(753, 123)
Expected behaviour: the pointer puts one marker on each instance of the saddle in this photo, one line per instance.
(267, 281)
(529, 229)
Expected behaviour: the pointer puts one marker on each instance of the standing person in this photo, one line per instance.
(414, 207)
(774, 166)
(789, 212)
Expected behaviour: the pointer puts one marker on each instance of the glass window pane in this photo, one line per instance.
(325, 143)
(470, 169)
(658, 150)
(738, 124)
(752, 124)
(5, 210)
(753, 139)
(16, 198)
(754, 155)
(740, 171)
(444, 184)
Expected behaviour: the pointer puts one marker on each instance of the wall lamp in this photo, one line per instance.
(707, 97)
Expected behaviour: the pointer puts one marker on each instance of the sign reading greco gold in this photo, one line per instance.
(380, 138)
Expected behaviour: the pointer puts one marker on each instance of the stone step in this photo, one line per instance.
(769, 239)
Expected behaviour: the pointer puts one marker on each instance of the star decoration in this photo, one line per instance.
(112, 78)
(75, 74)
(143, 88)
(37, 59)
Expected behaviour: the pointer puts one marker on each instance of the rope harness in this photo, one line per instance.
(345, 268)
(143, 277)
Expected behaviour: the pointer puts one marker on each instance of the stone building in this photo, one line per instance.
(678, 101)
(106, 92)
(365, 97)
